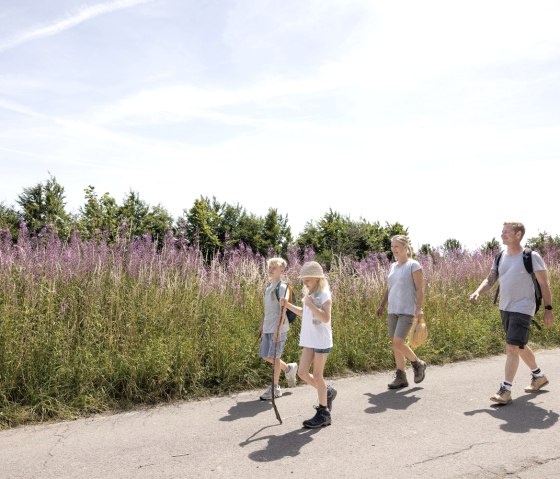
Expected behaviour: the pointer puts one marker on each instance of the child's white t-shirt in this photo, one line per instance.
(314, 332)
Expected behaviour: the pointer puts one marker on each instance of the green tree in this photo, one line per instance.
(141, 218)
(328, 237)
(104, 216)
(451, 244)
(543, 241)
(215, 226)
(201, 228)
(44, 204)
(276, 234)
(490, 246)
(9, 218)
(98, 216)
(335, 234)
(426, 249)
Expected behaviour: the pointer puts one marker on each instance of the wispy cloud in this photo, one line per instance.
(21, 109)
(82, 15)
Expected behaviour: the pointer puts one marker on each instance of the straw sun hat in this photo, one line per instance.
(311, 269)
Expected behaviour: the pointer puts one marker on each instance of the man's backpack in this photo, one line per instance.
(291, 298)
(528, 263)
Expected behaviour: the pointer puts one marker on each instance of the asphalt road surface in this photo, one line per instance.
(444, 427)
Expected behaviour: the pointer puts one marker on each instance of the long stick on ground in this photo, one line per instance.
(276, 340)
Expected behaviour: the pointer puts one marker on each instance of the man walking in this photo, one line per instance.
(518, 306)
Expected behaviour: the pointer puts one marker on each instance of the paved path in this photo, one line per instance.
(443, 428)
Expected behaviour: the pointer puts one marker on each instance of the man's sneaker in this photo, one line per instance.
(503, 396)
(331, 394)
(536, 384)
(322, 418)
(419, 368)
(400, 380)
(267, 395)
(291, 375)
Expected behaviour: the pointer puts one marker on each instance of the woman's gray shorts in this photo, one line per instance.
(399, 325)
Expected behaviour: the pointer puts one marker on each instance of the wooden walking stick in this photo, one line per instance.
(276, 340)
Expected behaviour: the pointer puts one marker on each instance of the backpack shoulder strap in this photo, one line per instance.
(497, 259)
(528, 260)
(277, 290)
(495, 266)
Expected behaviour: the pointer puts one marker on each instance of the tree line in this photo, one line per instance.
(211, 225)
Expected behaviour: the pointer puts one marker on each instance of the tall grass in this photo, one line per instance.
(86, 326)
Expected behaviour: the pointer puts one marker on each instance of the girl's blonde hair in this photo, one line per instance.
(322, 287)
(276, 262)
(403, 241)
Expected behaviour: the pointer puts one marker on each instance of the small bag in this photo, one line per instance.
(291, 299)
(418, 333)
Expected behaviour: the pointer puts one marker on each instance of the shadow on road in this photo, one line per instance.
(520, 416)
(248, 409)
(280, 446)
(392, 399)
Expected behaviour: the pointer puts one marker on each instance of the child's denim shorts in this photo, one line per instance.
(322, 351)
(268, 346)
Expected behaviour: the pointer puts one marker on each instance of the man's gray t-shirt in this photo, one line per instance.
(272, 308)
(517, 291)
(402, 292)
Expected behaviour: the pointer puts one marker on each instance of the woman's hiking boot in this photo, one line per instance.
(419, 368)
(399, 381)
(322, 418)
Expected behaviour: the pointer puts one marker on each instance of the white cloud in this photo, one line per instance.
(82, 15)
(347, 124)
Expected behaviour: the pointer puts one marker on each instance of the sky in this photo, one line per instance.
(443, 116)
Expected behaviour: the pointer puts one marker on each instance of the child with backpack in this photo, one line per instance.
(315, 338)
(271, 346)
(523, 284)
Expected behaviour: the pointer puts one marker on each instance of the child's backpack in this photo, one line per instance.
(291, 298)
(528, 263)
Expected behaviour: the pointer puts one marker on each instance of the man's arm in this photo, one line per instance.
(418, 278)
(542, 278)
(486, 285)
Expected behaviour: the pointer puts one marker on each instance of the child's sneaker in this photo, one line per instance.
(322, 418)
(267, 395)
(503, 396)
(331, 394)
(291, 375)
(536, 384)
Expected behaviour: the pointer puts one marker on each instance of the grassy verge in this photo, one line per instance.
(85, 328)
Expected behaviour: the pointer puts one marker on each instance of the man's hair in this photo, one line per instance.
(277, 262)
(516, 226)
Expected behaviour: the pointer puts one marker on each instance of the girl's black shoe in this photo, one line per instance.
(322, 418)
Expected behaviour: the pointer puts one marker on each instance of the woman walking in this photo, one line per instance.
(404, 294)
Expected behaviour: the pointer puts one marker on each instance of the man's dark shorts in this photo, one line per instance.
(517, 327)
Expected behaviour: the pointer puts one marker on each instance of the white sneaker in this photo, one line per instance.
(267, 395)
(291, 375)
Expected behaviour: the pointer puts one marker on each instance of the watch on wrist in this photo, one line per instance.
(548, 307)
